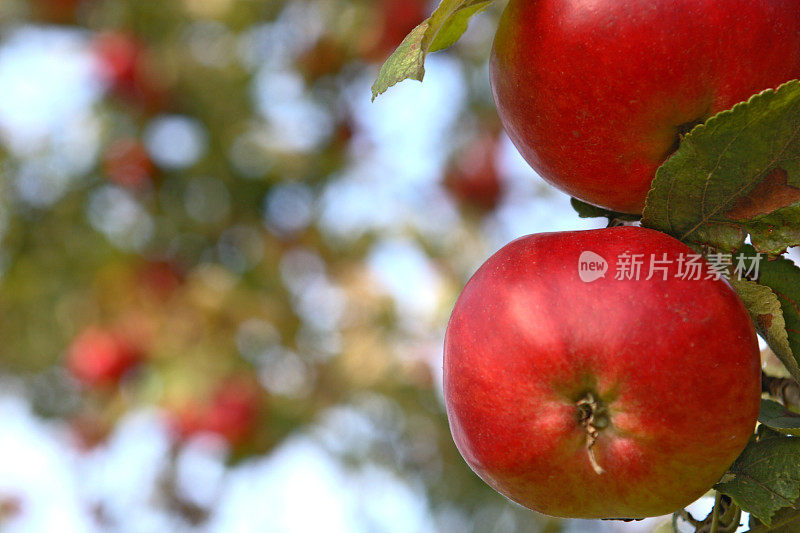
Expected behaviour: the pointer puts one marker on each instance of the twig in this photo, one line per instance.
(715, 513)
(786, 390)
(723, 518)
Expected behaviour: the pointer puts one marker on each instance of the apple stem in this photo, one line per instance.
(593, 418)
(595, 465)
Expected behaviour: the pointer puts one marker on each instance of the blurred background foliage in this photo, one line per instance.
(206, 225)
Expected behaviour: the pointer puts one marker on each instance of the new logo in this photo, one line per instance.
(591, 266)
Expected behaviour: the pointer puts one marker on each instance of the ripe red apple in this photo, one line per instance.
(100, 357)
(602, 398)
(596, 94)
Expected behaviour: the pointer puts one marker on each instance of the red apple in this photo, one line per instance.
(231, 412)
(124, 64)
(473, 178)
(100, 357)
(596, 94)
(118, 55)
(602, 398)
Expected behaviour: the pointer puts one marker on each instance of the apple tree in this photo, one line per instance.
(679, 117)
(209, 226)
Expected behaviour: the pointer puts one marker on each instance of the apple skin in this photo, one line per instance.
(596, 94)
(675, 363)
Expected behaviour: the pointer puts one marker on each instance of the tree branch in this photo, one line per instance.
(786, 390)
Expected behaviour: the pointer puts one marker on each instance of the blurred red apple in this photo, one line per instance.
(100, 357)
(325, 57)
(473, 179)
(160, 278)
(123, 63)
(231, 412)
(128, 164)
(394, 19)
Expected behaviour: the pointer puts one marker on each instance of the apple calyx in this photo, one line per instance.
(593, 416)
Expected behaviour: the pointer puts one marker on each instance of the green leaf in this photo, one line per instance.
(766, 476)
(779, 418)
(783, 277)
(766, 311)
(407, 62)
(784, 521)
(439, 31)
(736, 174)
(585, 210)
